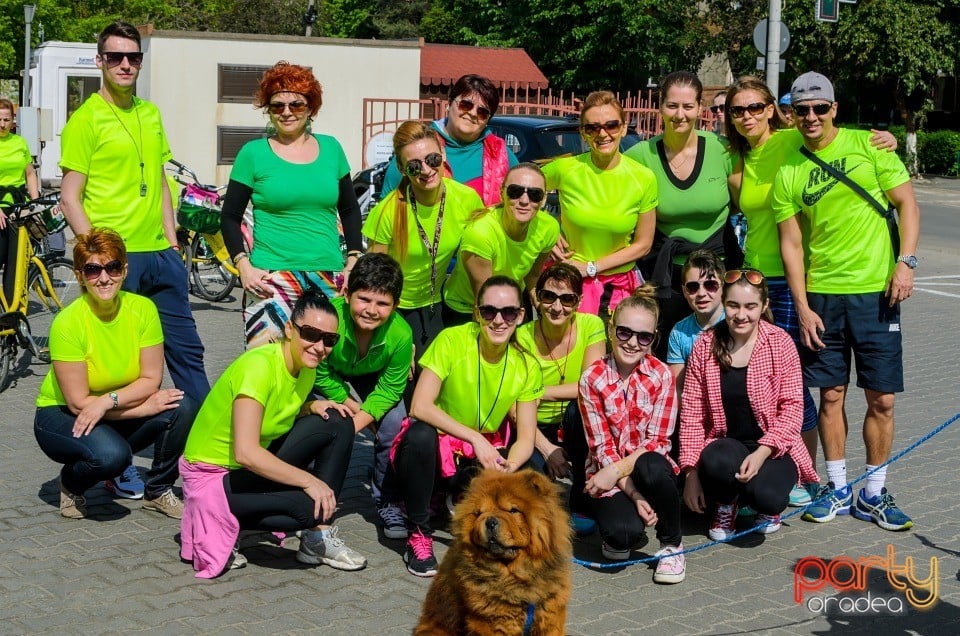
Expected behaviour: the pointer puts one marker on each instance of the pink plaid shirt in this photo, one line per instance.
(775, 391)
(620, 416)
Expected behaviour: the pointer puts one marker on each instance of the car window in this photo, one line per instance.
(513, 142)
(554, 143)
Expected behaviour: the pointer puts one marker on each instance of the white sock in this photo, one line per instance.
(837, 472)
(875, 481)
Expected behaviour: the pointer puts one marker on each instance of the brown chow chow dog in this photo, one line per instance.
(511, 549)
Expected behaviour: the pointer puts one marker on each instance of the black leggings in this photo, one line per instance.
(261, 504)
(621, 526)
(416, 466)
(767, 493)
(575, 443)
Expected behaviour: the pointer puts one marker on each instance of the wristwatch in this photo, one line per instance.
(909, 259)
(591, 269)
(239, 257)
(116, 399)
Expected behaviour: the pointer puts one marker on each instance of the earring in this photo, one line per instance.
(270, 130)
(309, 129)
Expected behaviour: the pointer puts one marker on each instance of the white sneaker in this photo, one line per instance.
(127, 484)
(324, 546)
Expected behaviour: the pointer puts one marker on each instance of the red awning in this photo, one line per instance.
(444, 64)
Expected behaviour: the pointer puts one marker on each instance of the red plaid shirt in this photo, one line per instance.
(775, 391)
(620, 416)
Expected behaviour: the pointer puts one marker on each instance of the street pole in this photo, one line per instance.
(28, 10)
(309, 18)
(773, 47)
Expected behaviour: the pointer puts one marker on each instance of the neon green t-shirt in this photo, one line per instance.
(589, 330)
(110, 349)
(107, 144)
(599, 209)
(455, 357)
(14, 158)
(695, 208)
(294, 206)
(460, 202)
(261, 374)
(486, 238)
(848, 244)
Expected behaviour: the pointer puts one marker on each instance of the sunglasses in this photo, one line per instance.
(296, 108)
(711, 285)
(754, 109)
(753, 276)
(548, 297)
(489, 313)
(818, 109)
(624, 334)
(719, 108)
(314, 335)
(609, 127)
(415, 166)
(92, 271)
(467, 105)
(515, 191)
(114, 58)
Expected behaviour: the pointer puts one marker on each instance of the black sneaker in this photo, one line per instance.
(419, 555)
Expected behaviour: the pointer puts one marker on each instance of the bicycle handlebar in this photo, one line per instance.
(182, 170)
(14, 210)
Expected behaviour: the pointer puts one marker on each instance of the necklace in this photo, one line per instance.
(550, 346)
(503, 374)
(139, 149)
(431, 250)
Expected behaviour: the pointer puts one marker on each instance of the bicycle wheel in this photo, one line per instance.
(8, 352)
(47, 300)
(210, 278)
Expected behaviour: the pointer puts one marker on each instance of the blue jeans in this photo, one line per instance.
(384, 483)
(161, 277)
(109, 448)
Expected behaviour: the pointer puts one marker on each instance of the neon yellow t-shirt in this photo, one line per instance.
(110, 349)
(599, 209)
(14, 158)
(260, 374)
(848, 244)
(107, 144)
(455, 357)
(589, 330)
(461, 201)
(486, 238)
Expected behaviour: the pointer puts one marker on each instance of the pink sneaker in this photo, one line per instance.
(724, 522)
(672, 567)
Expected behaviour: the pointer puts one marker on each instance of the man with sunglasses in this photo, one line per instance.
(848, 296)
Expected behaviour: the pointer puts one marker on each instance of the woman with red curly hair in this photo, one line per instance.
(299, 182)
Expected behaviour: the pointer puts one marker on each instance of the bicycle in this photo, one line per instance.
(43, 285)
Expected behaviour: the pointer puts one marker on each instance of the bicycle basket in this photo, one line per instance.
(199, 210)
(43, 222)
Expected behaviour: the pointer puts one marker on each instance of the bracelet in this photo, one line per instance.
(239, 257)
(356, 253)
(116, 399)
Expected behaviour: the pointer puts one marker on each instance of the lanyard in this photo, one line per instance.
(432, 251)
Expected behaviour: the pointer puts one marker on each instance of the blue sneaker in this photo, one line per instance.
(882, 510)
(828, 503)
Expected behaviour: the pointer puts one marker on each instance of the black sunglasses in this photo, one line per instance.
(314, 335)
(115, 58)
(624, 334)
(415, 166)
(754, 109)
(753, 276)
(610, 127)
(515, 191)
(296, 108)
(489, 313)
(467, 105)
(718, 108)
(548, 297)
(819, 109)
(711, 285)
(92, 271)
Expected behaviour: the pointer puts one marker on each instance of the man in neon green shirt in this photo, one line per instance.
(848, 296)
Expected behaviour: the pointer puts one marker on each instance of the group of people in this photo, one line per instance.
(630, 346)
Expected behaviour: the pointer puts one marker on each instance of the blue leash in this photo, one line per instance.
(529, 624)
(710, 544)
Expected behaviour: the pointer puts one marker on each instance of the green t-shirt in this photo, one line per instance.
(589, 330)
(460, 202)
(14, 158)
(455, 357)
(294, 206)
(110, 349)
(107, 144)
(260, 374)
(486, 238)
(599, 209)
(848, 244)
(695, 208)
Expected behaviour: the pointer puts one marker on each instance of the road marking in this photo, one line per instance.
(937, 293)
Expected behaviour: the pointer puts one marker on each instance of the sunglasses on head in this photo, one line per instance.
(754, 109)
(467, 105)
(753, 276)
(415, 166)
(314, 335)
(819, 109)
(624, 334)
(711, 285)
(489, 313)
(297, 107)
(92, 271)
(535, 195)
(610, 127)
(719, 108)
(115, 58)
(548, 297)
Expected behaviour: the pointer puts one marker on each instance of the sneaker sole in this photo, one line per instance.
(824, 519)
(866, 516)
(161, 511)
(769, 529)
(615, 556)
(718, 536)
(311, 559)
(123, 494)
(396, 533)
(669, 579)
(424, 575)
